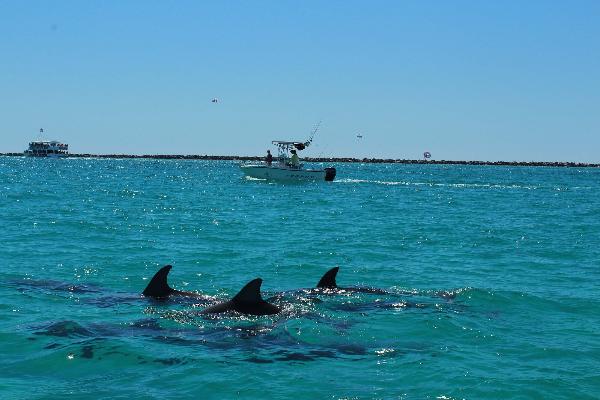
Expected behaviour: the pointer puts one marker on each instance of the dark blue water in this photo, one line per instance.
(490, 276)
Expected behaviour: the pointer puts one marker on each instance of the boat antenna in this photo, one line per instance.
(312, 134)
(40, 136)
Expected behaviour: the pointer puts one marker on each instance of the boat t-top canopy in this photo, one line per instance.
(287, 145)
(297, 145)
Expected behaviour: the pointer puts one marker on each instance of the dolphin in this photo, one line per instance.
(159, 288)
(247, 301)
(328, 283)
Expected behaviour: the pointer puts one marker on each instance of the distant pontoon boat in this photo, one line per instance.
(47, 148)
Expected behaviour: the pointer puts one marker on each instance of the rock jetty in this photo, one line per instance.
(334, 160)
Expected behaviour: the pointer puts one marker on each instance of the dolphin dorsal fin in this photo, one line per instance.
(250, 293)
(158, 286)
(328, 280)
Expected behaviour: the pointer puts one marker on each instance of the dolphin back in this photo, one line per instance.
(249, 293)
(158, 286)
(247, 301)
(328, 280)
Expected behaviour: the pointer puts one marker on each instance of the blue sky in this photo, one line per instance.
(465, 80)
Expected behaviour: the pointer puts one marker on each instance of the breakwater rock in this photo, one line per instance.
(333, 160)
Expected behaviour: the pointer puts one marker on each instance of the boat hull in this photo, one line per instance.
(45, 155)
(287, 174)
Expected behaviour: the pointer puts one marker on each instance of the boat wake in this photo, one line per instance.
(461, 185)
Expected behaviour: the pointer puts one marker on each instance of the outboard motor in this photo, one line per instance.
(329, 173)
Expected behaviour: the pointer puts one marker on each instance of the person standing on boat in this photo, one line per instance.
(295, 161)
(269, 157)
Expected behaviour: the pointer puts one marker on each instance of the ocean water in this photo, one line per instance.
(490, 281)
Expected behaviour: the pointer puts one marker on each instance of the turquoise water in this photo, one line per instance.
(491, 276)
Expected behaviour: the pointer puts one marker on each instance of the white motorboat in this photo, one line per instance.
(286, 168)
(284, 172)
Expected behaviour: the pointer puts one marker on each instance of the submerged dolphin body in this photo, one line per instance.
(247, 301)
(159, 288)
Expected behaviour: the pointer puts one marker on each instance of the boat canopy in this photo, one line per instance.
(296, 145)
(285, 145)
